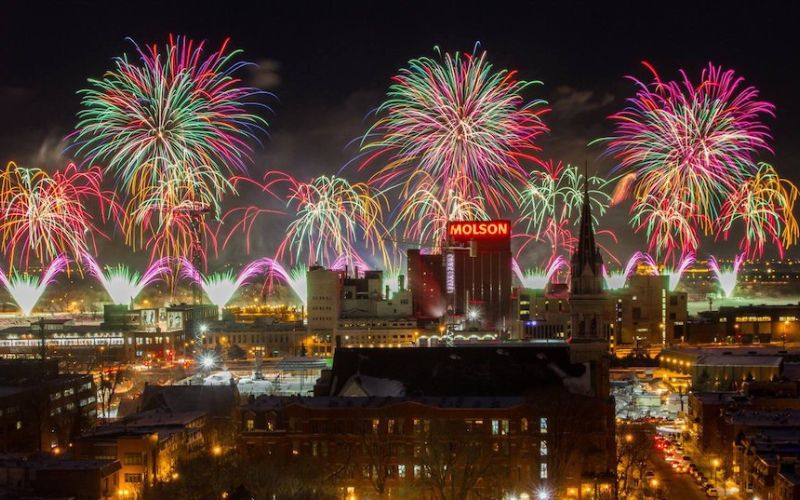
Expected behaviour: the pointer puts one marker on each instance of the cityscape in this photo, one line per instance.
(529, 251)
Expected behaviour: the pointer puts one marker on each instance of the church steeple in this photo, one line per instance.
(587, 263)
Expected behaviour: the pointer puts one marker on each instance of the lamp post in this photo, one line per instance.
(716, 463)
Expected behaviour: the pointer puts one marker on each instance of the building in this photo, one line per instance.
(381, 416)
(750, 324)
(478, 270)
(722, 368)
(264, 338)
(148, 445)
(43, 476)
(324, 299)
(426, 278)
(42, 409)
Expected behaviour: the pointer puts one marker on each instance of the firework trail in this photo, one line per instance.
(26, 290)
(333, 216)
(121, 283)
(616, 280)
(424, 214)
(538, 279)
(220, 287)
(549, 199)
(684, 149)
(764, 205)
(676, 273)
(295, 279)
(45, 216)
(457, 124)
(726, 275)
(173, 125)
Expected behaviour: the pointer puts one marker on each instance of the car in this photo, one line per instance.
(712, 492)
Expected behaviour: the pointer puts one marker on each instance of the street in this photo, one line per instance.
(674, 485)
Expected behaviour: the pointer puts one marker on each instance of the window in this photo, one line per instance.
(375, 424)
(249, 424)
(417, 471)
(390, 426)
(132, 459)
(499, 427)
(401, 471)
(543, 425)
(543, 471)
(543, 448)
(133, 478)
(523, 425)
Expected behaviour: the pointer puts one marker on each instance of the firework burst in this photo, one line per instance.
(173, 125)
(457, 124)
(726, 275)
(616, 280)
(26, 290)
(121, 283)
(684, 149)
(220, 287)
(764, 206)
(44, 216)
(333, 216)
(538, 279)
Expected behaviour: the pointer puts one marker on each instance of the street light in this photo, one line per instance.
(629, 438)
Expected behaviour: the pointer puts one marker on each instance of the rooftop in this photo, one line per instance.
(276, 402)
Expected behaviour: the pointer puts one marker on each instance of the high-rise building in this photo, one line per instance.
(471, 277)
(478, 269)
(324, 299)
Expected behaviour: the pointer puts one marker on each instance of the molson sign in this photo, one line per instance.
(479, 230)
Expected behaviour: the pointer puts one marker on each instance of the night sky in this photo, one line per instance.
(329, 65)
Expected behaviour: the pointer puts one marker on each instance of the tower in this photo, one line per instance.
(590, 315)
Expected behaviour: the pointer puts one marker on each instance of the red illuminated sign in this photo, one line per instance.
(479, 230)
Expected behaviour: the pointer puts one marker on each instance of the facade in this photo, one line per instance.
(39, 476)
(324, 299)
(381, 416)
(426, 278)
(478, 270)
(264, 339)
(147, 445)
(750, 324)
(41, 409)
(725, 368)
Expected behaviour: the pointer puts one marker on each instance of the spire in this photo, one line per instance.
(587, 263)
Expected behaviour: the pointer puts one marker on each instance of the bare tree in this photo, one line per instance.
(456, 461)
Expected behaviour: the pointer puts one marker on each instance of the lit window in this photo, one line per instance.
(401, 471)
(542, 471)
(543, 448)
(543, 425)
(250, 424)
(523, 425)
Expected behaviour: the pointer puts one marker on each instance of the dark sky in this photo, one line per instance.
(329, 63)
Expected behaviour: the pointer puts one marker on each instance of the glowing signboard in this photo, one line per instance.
(479, 230)
(450, 272)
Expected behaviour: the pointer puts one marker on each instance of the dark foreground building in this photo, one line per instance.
(42, 409)
(518, 419)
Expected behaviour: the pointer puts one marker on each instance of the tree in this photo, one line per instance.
(456, 461)
(633, 451)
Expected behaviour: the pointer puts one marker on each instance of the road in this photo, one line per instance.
(673, 484)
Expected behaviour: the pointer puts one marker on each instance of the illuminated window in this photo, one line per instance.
(543, 471)
(543, 425)
(250, 424)
(523, 425)
(543, 448)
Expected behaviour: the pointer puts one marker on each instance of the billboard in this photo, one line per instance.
(478, 230)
